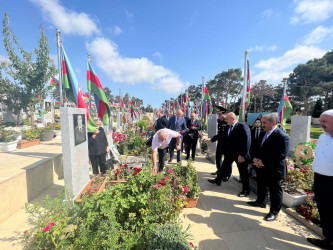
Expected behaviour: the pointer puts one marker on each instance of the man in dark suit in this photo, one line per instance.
(80, 130)
(161, 122)
(176, 123)
(238, 146)
(270, 160)
(221, 137)
(193, 129)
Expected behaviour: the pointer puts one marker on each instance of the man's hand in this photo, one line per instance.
(107, 149)
(258, 163)
(241, 159)
(188, 130)
(206, 139)
(178, 148)
(96, 132)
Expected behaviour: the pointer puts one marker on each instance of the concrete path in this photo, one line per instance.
(220, 221)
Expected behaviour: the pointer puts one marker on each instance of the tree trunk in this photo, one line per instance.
(326, 100)
(261, 104)
(32, 115)
(306, 105)
(255, 105)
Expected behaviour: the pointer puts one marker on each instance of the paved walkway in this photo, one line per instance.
(221, 220)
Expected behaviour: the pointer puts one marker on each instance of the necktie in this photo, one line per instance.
(264, 139)
(230, 129)
(257, 133)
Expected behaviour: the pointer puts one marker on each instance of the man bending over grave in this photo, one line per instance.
(160, 142)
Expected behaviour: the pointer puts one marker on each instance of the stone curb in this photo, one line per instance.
(308, 224)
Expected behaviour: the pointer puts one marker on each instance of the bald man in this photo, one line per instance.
(238, 145)
(160, 142)
(323, 180)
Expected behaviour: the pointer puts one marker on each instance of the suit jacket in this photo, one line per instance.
(180, 126)
(273, 153)
(194, 132)
(255, 142)
(80, 134)
(239, 141)
(161, 123)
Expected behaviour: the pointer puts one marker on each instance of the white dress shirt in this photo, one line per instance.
(323, 160)
(156, 143)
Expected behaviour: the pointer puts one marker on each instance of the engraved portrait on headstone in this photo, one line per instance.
(79, 128)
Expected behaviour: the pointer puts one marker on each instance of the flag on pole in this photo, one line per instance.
(103, 108)
(54, 82)
(285, 108)
(123, 109)
(205, 100)
(73, 90)
(247, 90)
(187, 106)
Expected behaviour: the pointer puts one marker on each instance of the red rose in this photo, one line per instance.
(25, 232)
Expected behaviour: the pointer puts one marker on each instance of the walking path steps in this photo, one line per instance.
(221, 220)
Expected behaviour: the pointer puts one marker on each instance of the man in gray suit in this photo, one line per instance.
(176, 123)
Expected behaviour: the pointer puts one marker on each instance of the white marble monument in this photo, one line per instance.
(212, 130)
(300, 131)
(74, 150)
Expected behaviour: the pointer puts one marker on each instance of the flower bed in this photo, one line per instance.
(96, 184)
(128, 216)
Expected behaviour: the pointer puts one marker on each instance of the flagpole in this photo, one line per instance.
(89, 89)
(285, 80)
(245, 86)
(59, 66)
(202, 94)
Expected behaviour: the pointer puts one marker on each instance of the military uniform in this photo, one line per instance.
(222, 134)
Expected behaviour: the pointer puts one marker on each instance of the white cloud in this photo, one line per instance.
(67, 21)
(267, 13)
(263, 48)
(312, 11)
(117, 30)
(157, 54)
(319, 35)
(275, 68)
(132, 70)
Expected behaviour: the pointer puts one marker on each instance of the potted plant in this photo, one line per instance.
(30, 138)
(46, 134)
(188, 176)
(8, 140)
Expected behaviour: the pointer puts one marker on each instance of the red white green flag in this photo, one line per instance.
(246, 100)
(95, 86)
(285, 108)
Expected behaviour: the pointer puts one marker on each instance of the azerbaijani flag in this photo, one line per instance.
(54, 82)
(131, 105)
(284, 108)
(122, 108)
(246, 102)
(206, 97)
(187, 103)
(94, 85)
(73, 90)
(86, 97)
(57, 104)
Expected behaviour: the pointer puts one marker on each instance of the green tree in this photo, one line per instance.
(29, 71)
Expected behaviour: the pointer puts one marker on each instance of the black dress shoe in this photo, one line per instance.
(256, 204)
(270, 217)
(187, 157)
(243, 193)
(214, 181)
(324, 244)
(214, 173)
(225, 179)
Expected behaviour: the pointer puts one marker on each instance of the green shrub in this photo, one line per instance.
(7, 136)
(189, 177)
(31, 134)
(168, 237)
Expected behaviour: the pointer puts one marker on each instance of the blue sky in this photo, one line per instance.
(154, 49)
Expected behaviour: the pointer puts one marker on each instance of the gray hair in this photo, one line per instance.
(97, 119)
(271, 118)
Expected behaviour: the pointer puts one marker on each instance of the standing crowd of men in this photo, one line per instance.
(265, 147)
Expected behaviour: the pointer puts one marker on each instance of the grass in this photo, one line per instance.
(315, 132)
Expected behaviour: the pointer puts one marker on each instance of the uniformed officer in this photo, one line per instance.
(222, 133)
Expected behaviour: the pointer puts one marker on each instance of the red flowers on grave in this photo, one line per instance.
(47, 228)
(157, 186)
(136, 170)
(185, 189)
(118, 137)
(170, 171)
(25, 232)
